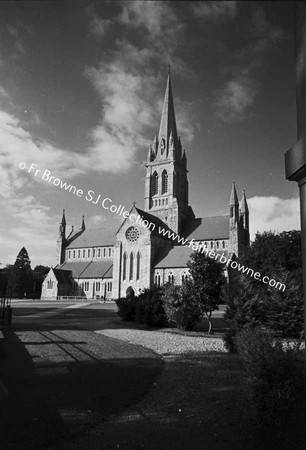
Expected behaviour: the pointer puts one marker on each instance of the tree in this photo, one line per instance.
(20, 282)
(180, 304)
(208, 284)
(254, 303)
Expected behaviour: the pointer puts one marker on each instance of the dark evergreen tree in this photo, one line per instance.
(208, 284)
(253, 302)
(20, 282)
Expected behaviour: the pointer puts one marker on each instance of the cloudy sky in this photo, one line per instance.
(81, 90)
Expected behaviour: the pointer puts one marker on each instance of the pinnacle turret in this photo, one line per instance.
(244, 204)
(82, 227)
(234, 197)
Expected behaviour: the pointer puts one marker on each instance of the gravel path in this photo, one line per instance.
(166, 343)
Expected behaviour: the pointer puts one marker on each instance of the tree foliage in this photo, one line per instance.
(207, 284)
(254, 303)
(20, 281)
(181, 306)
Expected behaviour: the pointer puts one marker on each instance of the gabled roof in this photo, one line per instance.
(153, 219)
(62, 276)
(177, 257)
(92, 269)
(207, 228)
(93, 238)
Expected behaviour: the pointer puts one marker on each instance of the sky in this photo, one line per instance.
(81, 92)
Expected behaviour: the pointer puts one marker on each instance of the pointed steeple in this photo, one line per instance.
(244, 209)
(168, 123)
(63, 222)
(234, 198)
(82, 227)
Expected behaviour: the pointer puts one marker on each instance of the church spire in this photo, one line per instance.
(234, 196)
(244, 209)
(82, 227)
(168, 122)
(63, 222)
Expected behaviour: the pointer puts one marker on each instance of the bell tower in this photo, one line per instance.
(166, 185)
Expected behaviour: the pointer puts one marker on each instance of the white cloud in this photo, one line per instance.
(4, 93)
(232, 101)
(215, 10)
(95, 221)
(238, 94)
(128, 85)
(273, 213)
(27, 223)
(98, 26)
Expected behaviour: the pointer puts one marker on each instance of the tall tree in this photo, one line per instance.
(253, 302)
(20, 282)
(208, 284)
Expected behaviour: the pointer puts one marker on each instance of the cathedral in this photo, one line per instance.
(150, 248)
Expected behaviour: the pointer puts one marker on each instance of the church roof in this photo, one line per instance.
(206, 228)
(92, 269)
(153, 219)
(62, 276)
(177, 257)
(93, 238)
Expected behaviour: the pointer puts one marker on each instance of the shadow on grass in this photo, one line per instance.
(55, 398)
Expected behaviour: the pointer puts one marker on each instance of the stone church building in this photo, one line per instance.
(152, 248)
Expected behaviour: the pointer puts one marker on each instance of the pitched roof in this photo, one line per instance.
(62, 276)
(93, 238)
(92, 269)
(177, 257)
(153, 219)
(206, 228)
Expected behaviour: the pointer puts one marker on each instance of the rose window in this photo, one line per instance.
(132, 234)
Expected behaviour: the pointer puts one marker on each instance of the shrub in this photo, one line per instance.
(127, 308)
(150, 308)
(180, 305)
(276, 377)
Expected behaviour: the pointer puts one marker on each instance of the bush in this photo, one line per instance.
(150, 308)
(276, 377)
(127, 308)
(180, 305)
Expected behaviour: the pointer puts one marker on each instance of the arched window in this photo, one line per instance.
(79, 253)
(131, 265)
(170, 278)
(124, 267)
(84, 251)
(104, 252)
(73, 253)
(154, 183)
(164, 182)
(88, 253)
(184, 277)
(138, 267)
(217, 243)
(211, 244)
(93, 253)
(157, 279)
(99, 252)
(223, 244)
